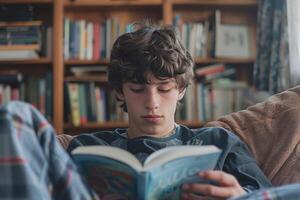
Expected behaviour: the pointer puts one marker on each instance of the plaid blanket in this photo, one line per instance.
(287, 192)
(33, 165)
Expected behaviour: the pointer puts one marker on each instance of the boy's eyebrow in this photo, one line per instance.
(162, 82)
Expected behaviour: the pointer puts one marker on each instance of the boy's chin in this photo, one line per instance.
(156, 131)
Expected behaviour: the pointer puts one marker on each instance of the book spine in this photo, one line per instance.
(142, 188)
(67, 38)
(74, 102)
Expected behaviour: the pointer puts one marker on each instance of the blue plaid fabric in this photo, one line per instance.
(33, 165)
(287, 192)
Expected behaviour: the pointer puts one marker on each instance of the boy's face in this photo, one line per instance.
(151, 107)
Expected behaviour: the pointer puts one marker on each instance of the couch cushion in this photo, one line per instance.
(271, 130)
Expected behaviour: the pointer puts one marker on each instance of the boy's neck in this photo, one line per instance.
(131, 134)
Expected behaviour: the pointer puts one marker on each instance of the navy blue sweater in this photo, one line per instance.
(235, 158)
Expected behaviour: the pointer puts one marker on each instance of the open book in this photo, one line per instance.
(116, 174)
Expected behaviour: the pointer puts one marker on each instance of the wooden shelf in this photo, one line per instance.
(86, 62)
(19, 47)
(26, 1)
(217, 2)
(95, 78)
(27, 62)
(113, 3)
(224, 60)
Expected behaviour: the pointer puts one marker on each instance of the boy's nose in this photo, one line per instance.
(152, 101)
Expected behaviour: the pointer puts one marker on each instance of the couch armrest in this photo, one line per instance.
(271, 130)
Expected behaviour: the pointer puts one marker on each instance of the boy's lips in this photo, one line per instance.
(152, 118)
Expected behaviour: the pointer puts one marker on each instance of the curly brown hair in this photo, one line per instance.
(149, 50)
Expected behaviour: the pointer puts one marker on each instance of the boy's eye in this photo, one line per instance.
(136, 90)
(164, 90)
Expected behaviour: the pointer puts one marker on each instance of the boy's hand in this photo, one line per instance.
(227, 187)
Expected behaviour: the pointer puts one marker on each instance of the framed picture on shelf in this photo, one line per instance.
(232, 41)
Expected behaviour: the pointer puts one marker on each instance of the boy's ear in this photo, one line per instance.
(181, 94)
(120, 96)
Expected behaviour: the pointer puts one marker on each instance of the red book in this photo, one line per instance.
(210, 69)
(96, 42)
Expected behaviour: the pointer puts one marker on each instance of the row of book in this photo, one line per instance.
(88, 102)
(21, 33)
(210, 38)
(204, 102)
(196, 37)
(34, 90)
(87, 40)
(25, 40)
(213, 93)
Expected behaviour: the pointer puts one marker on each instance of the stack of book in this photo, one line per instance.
(20, 40)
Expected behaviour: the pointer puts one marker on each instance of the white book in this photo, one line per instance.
(90, 38)
(18, 54)
(67, 38)
(82, 44)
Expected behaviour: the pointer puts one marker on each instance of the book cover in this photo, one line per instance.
(115, 173)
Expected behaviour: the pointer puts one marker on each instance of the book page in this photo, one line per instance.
(165, 180)
(175, 152)
(110, 152)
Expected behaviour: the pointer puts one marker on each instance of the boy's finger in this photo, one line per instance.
(208, 190)
(222, 178)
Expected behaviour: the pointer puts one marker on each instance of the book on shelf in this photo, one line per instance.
(114, 172)
(87, 70)
(86, 101)
(20, 33)
(209, 38)
(18, 55)
(212, 98)
(16, 12)
(74, 103)
(227, 96)
(10, 77)
(87, 40)
(210, 69)
(36, 90)
(214, 72)
(23, 40)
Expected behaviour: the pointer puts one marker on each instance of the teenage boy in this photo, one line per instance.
(149, 70)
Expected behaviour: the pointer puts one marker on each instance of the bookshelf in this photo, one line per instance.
(54, 13)
(23, 53)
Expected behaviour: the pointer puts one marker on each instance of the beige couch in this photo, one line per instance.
(272, 132)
